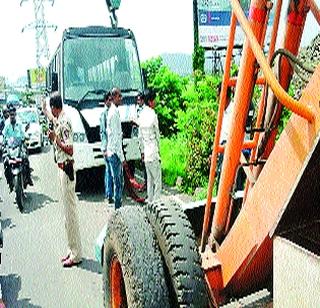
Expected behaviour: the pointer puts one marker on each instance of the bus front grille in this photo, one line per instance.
(93, 134)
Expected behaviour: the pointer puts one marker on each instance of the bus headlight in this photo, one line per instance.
(80, 137)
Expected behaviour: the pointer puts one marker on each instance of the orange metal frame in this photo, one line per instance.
(244, 258)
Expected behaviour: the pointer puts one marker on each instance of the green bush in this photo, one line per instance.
(169, 87)
(173, 159)
(151, 68)
(187, 110)
(196, 124)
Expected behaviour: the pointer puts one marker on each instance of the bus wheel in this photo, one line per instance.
(133, 273)
(185, 278)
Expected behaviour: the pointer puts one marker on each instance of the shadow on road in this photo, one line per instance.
(90, 196)
(11, 285)
(91, 266)
(36, 201)
(35, 178)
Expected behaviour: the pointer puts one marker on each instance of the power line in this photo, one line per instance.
(40, 25)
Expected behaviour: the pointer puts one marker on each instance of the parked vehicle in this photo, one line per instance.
(88, 62)
(13, 160)
(30, 119)
(14, 100)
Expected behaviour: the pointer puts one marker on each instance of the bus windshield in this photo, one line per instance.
(99, 63)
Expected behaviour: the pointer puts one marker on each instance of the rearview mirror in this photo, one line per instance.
(113, 4)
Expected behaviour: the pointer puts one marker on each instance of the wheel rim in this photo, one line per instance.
(118, 294)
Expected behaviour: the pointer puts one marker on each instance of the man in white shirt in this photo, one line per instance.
(108, 182)
(150, 138)
(115, 155)
(225, 128)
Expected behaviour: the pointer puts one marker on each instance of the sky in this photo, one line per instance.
(160, 26)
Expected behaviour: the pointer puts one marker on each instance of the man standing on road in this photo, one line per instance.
(108, 181)
(115, 155)
(62, 139)
(150, 138)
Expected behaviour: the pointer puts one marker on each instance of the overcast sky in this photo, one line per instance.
(159, 25)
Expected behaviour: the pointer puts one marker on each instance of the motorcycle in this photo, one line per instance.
(15, 169)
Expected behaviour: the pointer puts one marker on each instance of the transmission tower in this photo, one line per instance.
(40, 26)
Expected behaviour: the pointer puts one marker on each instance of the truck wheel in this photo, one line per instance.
(176, 239)
(133, 273)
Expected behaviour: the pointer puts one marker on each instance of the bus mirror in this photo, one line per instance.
(113, 4)
(54, 82)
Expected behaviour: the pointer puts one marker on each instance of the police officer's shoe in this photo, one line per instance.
(30, 182)
(69, 263)
(65, 258)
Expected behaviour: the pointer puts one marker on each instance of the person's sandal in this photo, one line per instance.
(69, 263)
(65, 258)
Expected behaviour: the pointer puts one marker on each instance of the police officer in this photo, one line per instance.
(62, 139)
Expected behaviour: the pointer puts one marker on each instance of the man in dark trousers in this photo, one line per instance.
(115, 154)
(108, 181)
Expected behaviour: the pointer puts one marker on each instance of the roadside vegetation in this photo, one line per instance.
(187, 108)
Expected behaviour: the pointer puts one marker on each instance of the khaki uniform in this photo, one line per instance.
(64, 132)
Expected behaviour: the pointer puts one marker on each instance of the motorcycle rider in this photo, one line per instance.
(14, 129)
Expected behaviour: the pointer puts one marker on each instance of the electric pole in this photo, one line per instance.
(40, 25)
(195, 24)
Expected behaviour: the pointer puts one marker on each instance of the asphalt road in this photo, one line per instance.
(35, 241)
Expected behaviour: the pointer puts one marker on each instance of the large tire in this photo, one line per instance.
(179, 249)
(19, 191)
(133, 272)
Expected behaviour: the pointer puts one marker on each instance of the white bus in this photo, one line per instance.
(88, 62)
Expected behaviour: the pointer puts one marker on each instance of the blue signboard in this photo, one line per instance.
(214, 18)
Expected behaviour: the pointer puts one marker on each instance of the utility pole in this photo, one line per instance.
(40, 26)
(195, 24)
(198, 57)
